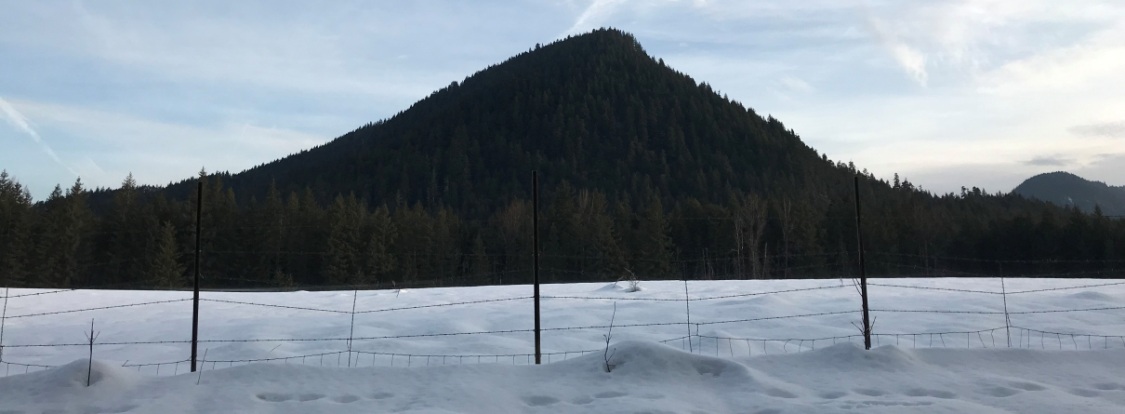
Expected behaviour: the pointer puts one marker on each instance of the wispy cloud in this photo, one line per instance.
(1105, 167)
(312, 57)
(160, 152)
(1050, 161)
(909, 58)
(1103, 129)
(18, 120)
(795, 84)
(594, 15)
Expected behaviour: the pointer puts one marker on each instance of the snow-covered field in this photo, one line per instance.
(940, 349)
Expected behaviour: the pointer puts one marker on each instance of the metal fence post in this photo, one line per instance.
(195, 298)
(535, 254)
(3, 321)
(862, 268)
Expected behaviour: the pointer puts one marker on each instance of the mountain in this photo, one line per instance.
(1066, 189)
(594, 110)
(644, 172)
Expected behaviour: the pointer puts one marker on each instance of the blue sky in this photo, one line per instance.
(947, 94)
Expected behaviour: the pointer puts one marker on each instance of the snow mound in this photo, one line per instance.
(48, 385)
(74, 374)
(652, 359)
(852, 357)
(1091, 295)
(646, 377)
(622, 287)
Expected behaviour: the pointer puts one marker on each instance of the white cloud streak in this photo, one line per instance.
(160, 152)
(796, 84)
(594, 15)
(18, 120)
(910, 59)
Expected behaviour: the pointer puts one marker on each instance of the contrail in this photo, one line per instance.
(597, 11)
(19, 121)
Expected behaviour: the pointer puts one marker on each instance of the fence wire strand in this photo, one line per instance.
(267, 305)
(970, 338)
(441, 305)
(1055, 289)
(157, 302)
(939, 289)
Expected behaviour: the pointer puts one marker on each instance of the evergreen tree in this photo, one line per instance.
(49, 250)
(749, 225)
(654, 248)
(379, 260)
(222, 250)
(15, 229)
(479, 268)
(415, 243)
(62, 229)
(513, 224)
(270, 229)
(445, 247)
(77, 224)
(164, 268)
(562, 253)
(344, 264)
(124, 238)
(599, 250)
(309, 238)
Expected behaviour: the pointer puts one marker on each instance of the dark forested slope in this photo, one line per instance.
(594, 110)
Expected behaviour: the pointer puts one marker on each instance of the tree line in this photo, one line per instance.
(143, 239)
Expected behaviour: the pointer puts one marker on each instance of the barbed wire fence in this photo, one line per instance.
(1004, 313)
(1015, 324)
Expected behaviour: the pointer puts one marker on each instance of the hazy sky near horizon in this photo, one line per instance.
(946, 94)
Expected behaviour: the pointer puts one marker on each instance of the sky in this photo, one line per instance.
(945, 94)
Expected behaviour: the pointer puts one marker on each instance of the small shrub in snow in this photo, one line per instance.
(634, 285)
(609, 335)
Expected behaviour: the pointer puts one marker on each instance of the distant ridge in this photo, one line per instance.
(1066, 189)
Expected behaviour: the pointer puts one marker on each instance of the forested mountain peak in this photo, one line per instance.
(1066, 189)
(594, 110)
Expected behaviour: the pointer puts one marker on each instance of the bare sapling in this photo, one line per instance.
(862, 331)
(91, 337)
(204, 361)
(609, 335)
(3, 320)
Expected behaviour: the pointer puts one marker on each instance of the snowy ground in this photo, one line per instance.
(796, 350)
